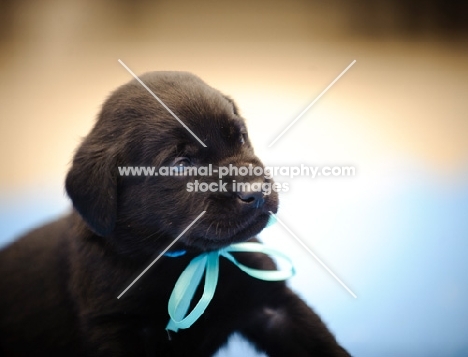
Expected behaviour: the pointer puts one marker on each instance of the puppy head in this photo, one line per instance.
(147, 212)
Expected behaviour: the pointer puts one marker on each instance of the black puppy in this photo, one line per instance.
(59, 283)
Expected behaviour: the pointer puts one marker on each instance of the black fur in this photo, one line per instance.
(59, 283)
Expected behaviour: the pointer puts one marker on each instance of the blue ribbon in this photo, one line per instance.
(208, 263)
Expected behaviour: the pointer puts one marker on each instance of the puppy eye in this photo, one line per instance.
(243, 138)
(181, 162)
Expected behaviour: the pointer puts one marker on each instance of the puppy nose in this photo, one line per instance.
(252, 198)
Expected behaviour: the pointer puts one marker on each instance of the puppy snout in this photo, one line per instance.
(253, 198)
(250, 193)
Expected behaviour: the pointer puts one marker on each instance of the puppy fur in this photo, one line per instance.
(59, 283)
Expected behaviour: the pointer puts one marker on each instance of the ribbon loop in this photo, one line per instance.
(250, 247)
(208, 263)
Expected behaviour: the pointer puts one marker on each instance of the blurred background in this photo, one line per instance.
(396, 233)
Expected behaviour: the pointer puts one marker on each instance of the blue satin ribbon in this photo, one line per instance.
(208, 263)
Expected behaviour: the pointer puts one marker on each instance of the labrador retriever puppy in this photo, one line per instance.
(59, 283)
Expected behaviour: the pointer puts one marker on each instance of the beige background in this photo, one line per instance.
(59, 62)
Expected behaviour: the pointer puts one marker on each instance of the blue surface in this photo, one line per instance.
(407, 262)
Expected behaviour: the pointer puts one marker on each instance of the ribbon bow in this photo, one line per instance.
(185, 287)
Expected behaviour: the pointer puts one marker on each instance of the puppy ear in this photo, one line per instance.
(91, 184)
